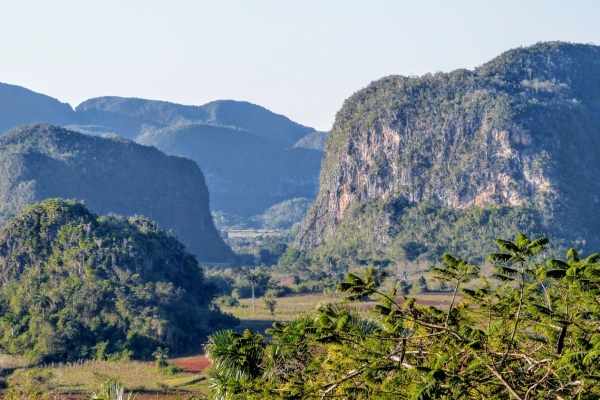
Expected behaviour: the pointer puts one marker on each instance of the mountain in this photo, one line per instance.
(111, 175)
(415, 166)
(74, 285)
(253, 159)
(258, 120)
(19, 106)
(249, 155)
(245, 173)
(129, 117)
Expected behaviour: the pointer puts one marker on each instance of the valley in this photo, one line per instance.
(440, 241)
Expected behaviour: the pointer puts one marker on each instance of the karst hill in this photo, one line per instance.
(415, 165)
(111, 175)
(252, 158)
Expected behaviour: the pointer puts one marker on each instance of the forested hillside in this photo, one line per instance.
(111, 175)
(74, 285)
(416, 166)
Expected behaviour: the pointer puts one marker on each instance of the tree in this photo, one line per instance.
(529, 332)
(162, 356)
(10, 319)
(42, 301)
(270, 303)
(254, 278)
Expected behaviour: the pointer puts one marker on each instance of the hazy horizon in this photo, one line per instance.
(299, 59)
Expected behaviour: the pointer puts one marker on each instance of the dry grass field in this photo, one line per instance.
(82, 379)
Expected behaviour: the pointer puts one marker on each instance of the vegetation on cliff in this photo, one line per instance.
(505, 141)
(112, 175)
(75, 285)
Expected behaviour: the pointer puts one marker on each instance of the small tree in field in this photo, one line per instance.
(162, 356)
(270, 303)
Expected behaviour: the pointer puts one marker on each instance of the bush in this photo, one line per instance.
(170, 369)
(227, 301)
(242, 292)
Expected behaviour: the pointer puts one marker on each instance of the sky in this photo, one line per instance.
(299, 58)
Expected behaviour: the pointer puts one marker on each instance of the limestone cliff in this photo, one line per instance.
(521, 131)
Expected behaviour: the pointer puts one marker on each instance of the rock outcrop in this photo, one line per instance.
(519, 132)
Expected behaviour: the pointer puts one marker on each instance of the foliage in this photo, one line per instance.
(111, 175)
(162, 356)
(423, 232)
(450, 161)
(528, 332)
(284, 214)
(112, 390)
(78, 286)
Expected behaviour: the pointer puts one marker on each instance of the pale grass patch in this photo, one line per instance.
(88, 376)
(11, 362)
(290, 306)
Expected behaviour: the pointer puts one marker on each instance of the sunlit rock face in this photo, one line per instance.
(522, 130)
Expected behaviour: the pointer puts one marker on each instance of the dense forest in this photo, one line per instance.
(75, 285)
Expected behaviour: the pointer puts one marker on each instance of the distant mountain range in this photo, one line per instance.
(253, 159)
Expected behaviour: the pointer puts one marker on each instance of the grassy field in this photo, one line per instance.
(254, 233)
(85, 378)
(77, 380)
(290, 306)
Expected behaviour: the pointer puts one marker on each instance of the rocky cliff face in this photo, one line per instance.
(111, 176)
(519, 131)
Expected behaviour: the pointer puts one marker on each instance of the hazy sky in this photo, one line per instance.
(297, 58)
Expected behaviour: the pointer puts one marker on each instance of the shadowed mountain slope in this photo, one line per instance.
(129, 117)
(245, 173)
(112, 176)
(246, 150)
(19, 106)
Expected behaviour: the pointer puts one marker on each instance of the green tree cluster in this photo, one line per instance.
(529, 331)
(74, 285)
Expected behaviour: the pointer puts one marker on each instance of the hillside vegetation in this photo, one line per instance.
(529, 331)
(415, 164)
(75, 285)
(112, 176)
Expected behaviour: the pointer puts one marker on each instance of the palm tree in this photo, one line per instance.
(236, 358)
(254, 278)
(10, 319)
(161, 355)
(42, 301)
